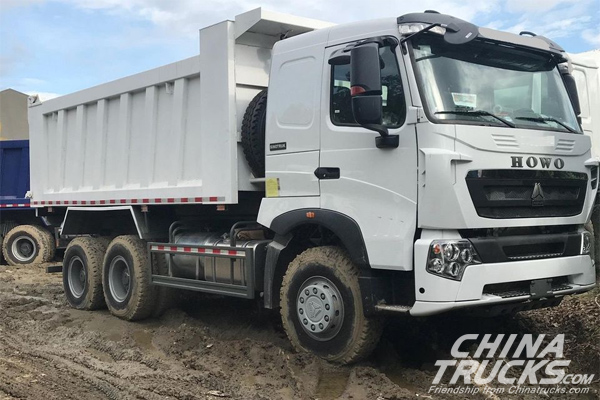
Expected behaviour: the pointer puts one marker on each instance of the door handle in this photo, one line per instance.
(327, 173)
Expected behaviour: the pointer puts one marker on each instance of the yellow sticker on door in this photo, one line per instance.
(272, 187)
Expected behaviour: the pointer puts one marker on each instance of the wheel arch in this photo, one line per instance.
(345, 228)
(285, 247)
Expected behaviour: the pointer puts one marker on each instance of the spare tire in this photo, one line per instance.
(253, 133)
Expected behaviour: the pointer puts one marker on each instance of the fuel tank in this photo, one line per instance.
(218, 268)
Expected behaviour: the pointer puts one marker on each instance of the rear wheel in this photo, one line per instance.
(82, 273)
(28, 244)
(126, 279)
(321, 307)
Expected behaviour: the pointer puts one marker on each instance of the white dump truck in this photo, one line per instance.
(412, 165)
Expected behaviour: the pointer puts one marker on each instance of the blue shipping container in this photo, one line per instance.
(14, 173)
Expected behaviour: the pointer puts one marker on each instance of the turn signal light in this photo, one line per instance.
(354, 90)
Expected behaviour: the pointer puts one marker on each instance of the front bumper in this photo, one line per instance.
(435, 294)
(425, 308)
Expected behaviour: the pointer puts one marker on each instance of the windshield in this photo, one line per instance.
(489, 84)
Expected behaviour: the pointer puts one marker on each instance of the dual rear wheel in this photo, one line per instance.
(98, 273)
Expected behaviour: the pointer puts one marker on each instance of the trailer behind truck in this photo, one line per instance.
(25, 238)
(413, 165)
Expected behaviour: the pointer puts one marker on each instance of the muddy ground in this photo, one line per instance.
(213, 348)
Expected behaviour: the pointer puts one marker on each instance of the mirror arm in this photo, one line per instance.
(381, 129)
(385, 140)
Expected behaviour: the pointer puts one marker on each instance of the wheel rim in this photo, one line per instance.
(24, 248)
(320, 308)
(119, 279)
(77, 277)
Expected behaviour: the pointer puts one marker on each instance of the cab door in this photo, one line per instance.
(293, 121)
(375, 187)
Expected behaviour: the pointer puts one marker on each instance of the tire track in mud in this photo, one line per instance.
(94, 366)
(78, 371)
(84, 375)
(48, 351)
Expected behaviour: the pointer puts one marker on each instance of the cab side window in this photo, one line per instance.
(394, 106)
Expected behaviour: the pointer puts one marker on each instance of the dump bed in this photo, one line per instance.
(168, 135)
(14, 174)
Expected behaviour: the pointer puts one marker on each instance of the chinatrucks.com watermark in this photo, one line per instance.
(508, 364)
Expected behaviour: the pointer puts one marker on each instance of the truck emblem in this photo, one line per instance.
(532, 162)
(537, 197)
(314, 309)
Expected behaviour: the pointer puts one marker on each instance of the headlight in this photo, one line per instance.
(449, 258)
(587, 243)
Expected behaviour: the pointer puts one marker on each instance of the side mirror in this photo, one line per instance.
(365, 88)
(365, 71)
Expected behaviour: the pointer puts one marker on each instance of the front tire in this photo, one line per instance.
(126, 279)
(28, 244)
(82, 273)
(321, 307)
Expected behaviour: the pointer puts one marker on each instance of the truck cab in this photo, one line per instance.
(456, 161)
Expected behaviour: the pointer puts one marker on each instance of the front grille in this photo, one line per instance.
(495, 193)
(500, 249)
(526, 194)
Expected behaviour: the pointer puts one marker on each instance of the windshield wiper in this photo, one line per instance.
(551, 119)
(478, 112)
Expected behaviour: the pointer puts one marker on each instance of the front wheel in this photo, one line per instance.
(321, 307)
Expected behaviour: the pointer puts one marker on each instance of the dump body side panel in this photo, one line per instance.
(135, 140)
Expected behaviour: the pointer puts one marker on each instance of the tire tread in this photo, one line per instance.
(141, 305)
(94, 249)
(253, 135)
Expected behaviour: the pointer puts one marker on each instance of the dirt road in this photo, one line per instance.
(225, 348)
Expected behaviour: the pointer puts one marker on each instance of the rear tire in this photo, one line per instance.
(321, 307)
(28, 244)
(82, 273)
(126, 279)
